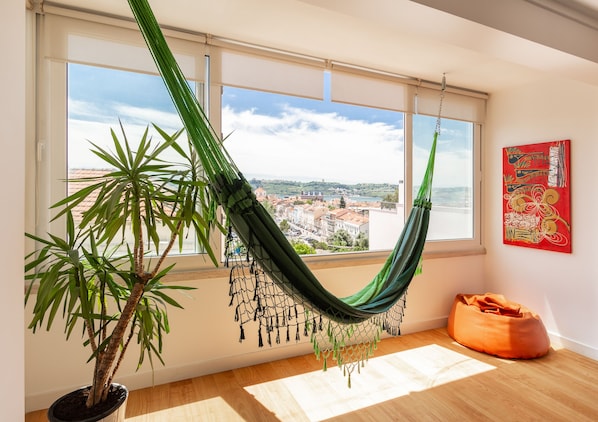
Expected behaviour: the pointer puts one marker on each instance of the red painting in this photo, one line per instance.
(536, 198)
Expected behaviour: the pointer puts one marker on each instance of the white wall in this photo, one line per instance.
(205, 338)
(562, 288)
(12, 211)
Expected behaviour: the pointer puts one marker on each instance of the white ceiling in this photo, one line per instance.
(515, 41)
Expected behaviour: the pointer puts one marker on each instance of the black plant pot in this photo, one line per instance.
(71, 407)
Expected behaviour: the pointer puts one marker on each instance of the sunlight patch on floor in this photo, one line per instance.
(320, 395)
(215, 409)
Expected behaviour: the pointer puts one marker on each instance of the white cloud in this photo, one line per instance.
(143, 116)
(93, 124)
(298, 144)
(306, 145)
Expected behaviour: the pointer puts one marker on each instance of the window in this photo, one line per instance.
(319, 167)
(452, 188)
(333, 174)
(98, 99)
(91, 77)
(335, 152)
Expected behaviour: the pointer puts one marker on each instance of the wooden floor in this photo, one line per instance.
(417, 377)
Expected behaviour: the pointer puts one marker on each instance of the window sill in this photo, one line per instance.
(321, 262)
(315, 263)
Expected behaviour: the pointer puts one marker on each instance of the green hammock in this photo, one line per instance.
(264, 241)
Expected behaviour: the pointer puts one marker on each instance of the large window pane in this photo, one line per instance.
(452, 190)
(322, 168)
(98, 98)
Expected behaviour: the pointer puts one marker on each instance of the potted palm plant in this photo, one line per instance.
(105, 275)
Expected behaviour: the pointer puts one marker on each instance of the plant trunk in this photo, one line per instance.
(106, 359)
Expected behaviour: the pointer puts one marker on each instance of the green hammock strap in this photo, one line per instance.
(214, 159)
(424, 194)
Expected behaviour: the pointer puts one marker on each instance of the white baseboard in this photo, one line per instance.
(429, 324)
(558, 341)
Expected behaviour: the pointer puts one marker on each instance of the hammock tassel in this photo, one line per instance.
(349, 378)
(255, 289)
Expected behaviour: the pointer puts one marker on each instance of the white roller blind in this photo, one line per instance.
(98, 44)
(455, 106)
(260, 72)
(359, 89)
(121, 46)
(370, 89)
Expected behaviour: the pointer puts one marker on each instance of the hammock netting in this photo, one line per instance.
(270, 285)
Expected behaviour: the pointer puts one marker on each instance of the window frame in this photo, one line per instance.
(49, 154)
(50, 159)
(440, 247)
(467, 246)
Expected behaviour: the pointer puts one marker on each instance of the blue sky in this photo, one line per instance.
(275, 136)
(271, 136)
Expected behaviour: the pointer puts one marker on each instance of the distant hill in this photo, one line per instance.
(450, 197)
(284, 188)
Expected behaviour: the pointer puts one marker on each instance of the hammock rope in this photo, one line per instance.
(269, 283)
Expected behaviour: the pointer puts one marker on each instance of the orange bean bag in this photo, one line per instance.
(491, 324)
